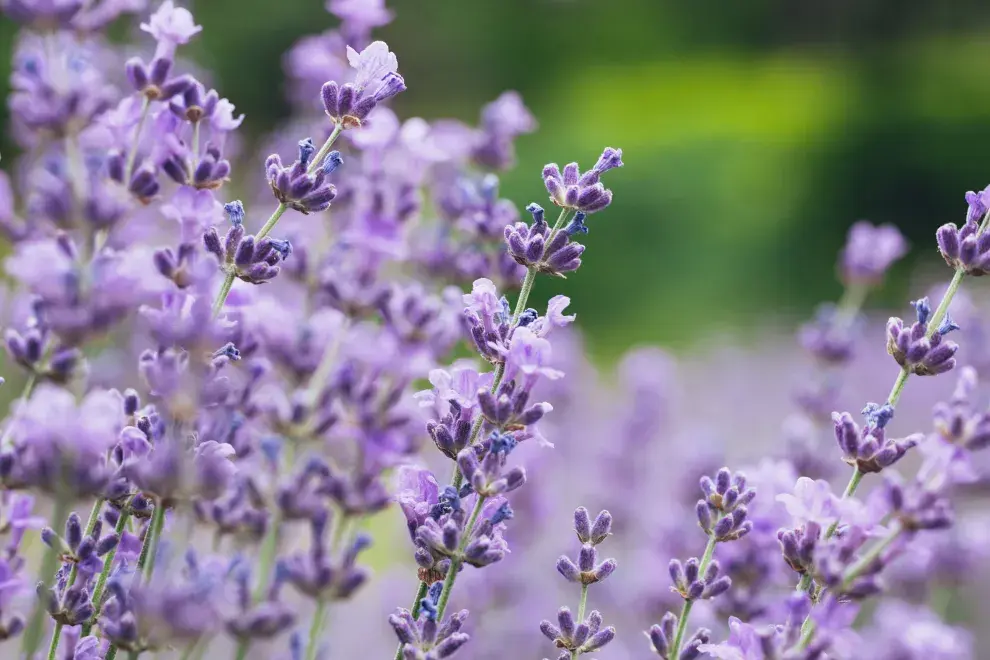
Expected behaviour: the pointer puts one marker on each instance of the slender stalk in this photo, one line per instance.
(273, 220)
(111, 653)
(688, 604)
(195, 148)
(269, 549)
(25, 395)
(420, 595)
(315, 628)
(527, 288)
(146, 561)
(582, 605)
(49, 564)
(456, 560)
(101, 582)
(132, 153)
(94, 515)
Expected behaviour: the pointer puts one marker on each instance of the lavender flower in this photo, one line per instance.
(919, 349)
(869, 252)
(254, 260)
(348, 105)
(581, 192)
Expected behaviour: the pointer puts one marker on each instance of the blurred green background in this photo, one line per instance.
(754, 132)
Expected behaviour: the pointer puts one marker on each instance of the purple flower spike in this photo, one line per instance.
(242, 256)
(572, 190)
(301, 186)
(580, 637)
(348, 105)
(722, 512)
(870, 250)
(535, 246)
(918, 349)
(868, 449)
(691, 585)
(959, 421)
(426, 638)
(965, 249)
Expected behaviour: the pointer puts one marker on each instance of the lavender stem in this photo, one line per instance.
(32, 634)
(228, 281)
(582, 606)
(420, 595)
(315, 628)
(688, 604)
(101, 582)
(94, 515)
(455, 561)
(527, 288)
(132, 154)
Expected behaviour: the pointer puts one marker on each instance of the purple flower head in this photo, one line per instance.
(45, 14)
(814, 502)
(489, 477)
(178, 605)
(977, 204)
(830, 336)
(488, 319)
(577, 637)
(173, 473)
(56, 85)
(722, 512)
(152, 80)
(427, 638)
(571, 189)
(868, 449)
(360, 16)
(453, 399)
(319, 575)
(869, 252)
(966, 248)
(303, 185)
(917, 505)
(246, 257)
(903, 631)
(59, 444)
(528, 359)
(661, 638)
(417, 492)
(375, 81)
(536, 246)
(918, 348)
(502, 121)
(170, 26)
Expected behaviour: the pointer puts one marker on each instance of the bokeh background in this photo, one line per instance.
(756, 132)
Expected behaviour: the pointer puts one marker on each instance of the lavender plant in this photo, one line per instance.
(219, 497)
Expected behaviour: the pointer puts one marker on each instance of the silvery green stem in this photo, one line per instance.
(582, 605)
(420, 595)
(456, 560)
(49, 564)
(527, 288)
(314, 629)
(682, 620)
(228, 281)
(132, 153)
(94, 515)
(101, 582)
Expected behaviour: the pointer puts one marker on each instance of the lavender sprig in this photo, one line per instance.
(579, 636)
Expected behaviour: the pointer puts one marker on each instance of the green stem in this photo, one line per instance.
(582, 605)
(101, 582)
(456, 560)
(32, 380)
(420, 595)
(527, 288)
(195, 149)
(49, 564)
(317, 161)
(94, 515)
(111, 653)
(272, 221)
(242, 648)
(228, 281)
(268, 550)
(870, 556)
(688, 604)
(314, 629)
(132, 154)
(146, 562)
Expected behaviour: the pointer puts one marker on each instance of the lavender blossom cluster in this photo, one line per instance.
(214, 423)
